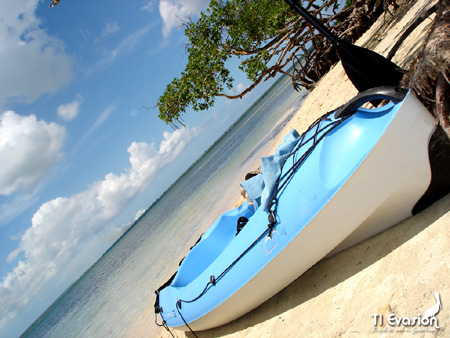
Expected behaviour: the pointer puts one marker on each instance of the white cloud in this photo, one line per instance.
(238, 89)
(13, 205)
(31, 61)
(241, 87)
(104, 115)
(173, 11)
(149, 6)
(126, 46)
(70, 110)
(69, 233)
(28, 149)
(139, 213)
(110, 28)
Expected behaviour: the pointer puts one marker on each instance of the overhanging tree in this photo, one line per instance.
(267, 37)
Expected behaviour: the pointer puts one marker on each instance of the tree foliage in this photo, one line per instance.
(266, 36)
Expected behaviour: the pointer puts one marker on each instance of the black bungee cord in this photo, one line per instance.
(280, 184)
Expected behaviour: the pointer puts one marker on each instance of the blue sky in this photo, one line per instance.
(80, 158)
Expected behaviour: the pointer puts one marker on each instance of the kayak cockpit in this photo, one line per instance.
(211, 244)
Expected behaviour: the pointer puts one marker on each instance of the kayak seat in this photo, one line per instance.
(241, 222)
(211, 245)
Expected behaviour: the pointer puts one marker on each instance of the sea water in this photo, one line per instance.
(115, 298)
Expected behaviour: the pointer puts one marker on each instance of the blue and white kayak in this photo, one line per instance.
(354, 173)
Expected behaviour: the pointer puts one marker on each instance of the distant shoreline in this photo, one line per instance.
(205, 153)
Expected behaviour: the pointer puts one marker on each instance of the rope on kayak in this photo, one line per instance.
(184, 320)
(163, 324)
(213, 280)
(320, 132)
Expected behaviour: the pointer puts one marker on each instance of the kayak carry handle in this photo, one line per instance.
(394, 94)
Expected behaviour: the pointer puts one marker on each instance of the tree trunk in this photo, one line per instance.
(429, 76)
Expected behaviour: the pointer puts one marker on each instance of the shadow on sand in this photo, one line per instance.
(334, 270)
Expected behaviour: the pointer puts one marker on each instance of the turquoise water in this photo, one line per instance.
(115, 297)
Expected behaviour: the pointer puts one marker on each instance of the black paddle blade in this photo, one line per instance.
(365, 68)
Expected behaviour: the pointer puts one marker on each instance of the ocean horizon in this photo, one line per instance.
(115, 296)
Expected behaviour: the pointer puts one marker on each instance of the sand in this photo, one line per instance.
(395, 272)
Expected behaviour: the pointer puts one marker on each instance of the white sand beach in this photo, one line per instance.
(397, 271)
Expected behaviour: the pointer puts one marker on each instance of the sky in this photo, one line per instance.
(80, 156)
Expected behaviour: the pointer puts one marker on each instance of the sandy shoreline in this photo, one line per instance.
(396, 271)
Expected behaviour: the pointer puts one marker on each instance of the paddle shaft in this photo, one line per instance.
(313, 21)
(344, 49)
(365, 68)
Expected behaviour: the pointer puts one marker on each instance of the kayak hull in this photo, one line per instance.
(367, 189)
